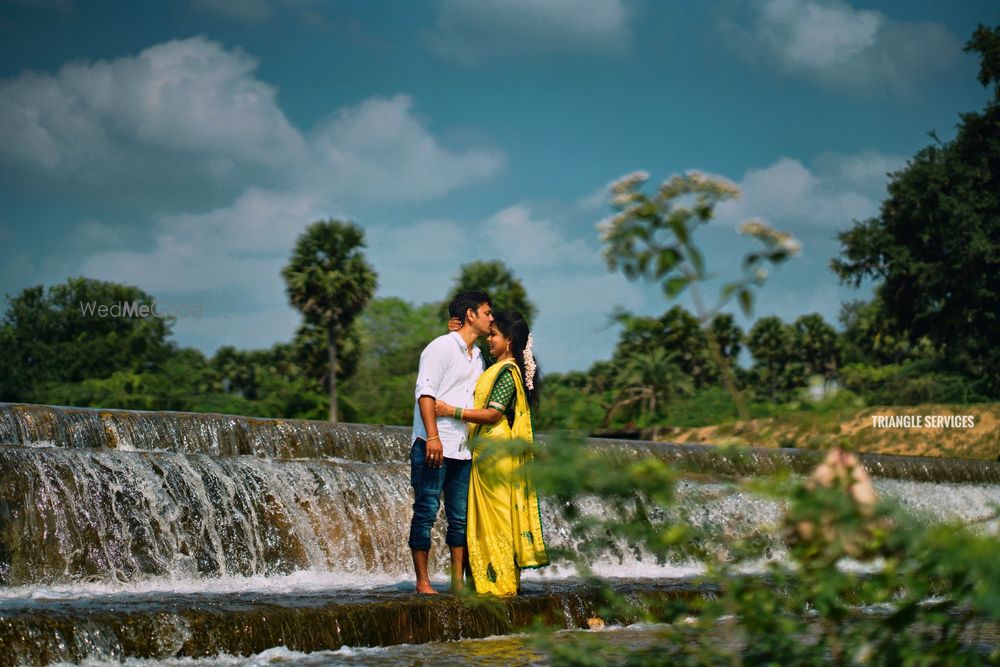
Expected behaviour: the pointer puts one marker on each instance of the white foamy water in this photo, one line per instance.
(965, 503)
(305, 581)
(512, 649)
(312, 581)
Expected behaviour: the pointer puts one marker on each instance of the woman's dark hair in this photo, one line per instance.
(512, 326)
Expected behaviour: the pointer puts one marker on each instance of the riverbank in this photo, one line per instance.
(914, 430)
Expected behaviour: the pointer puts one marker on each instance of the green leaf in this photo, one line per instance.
(679, 228)
(675, 286)
(646, 210)
(642, 261)
(667, 260)
(746, 302)
(778, 256)
(697, 260)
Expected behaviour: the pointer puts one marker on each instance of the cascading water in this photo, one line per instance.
(147, 534)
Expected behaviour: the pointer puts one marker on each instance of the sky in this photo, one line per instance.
(182, 147)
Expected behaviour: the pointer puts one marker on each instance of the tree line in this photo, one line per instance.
(660, 371)
(931, 332)
(54, 352)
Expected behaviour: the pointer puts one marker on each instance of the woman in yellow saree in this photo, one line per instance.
(504, 527)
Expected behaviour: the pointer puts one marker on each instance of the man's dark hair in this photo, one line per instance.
(460, 305)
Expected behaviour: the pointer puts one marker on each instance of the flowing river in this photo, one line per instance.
(163, 536)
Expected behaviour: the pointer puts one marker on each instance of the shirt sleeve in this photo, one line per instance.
(503, 391)
(430, 372)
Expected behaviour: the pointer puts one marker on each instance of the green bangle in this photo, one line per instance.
(458, 413)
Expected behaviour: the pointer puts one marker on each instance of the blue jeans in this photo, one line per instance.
(452, 478)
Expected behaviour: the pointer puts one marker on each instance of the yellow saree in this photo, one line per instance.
(504, 529)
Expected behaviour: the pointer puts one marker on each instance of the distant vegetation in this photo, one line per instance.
(931, 334)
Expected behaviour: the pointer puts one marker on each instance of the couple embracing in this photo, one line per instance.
(464, 420)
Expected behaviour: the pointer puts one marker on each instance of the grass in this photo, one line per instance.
(842, 420)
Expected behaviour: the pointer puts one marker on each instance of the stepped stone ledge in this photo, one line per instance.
(231, 435)
(118, 627)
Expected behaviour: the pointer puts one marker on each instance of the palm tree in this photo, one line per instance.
(496, 279)
(770, 342)
(648, 379)
(817, 345)
(330, 282)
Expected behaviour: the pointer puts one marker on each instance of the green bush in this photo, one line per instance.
(912, 383)
(920, 598)
(706, 407)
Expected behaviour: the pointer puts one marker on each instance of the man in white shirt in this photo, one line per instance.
(440, 460)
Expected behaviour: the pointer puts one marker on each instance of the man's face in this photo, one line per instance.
(481, 319)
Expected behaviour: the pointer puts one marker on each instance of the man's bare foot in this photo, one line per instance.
(425, 588)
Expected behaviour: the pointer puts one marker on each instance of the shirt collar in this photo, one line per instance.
(461, 343)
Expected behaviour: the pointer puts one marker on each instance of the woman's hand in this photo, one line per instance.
(454, 324)
(442, 409)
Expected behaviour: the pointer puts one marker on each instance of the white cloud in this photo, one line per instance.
(469, 31)
(184, 96)
(185, 112)
(235, 249)
(573, 329)
(99, 234)
(528, 241)
(840, 189)
(592, 296)
(242, 245)
(563, 274)
(834, 44)
(240, 249)
(594, 201)
(865, 172)
(817, 36)
(418, 262)
(186, 121)
(379, 151)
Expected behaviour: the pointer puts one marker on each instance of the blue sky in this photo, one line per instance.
(181, 147)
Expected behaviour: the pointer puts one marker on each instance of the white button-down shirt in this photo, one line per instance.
(447, 372)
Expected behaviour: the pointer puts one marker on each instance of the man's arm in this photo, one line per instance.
(430, 372)
(434, 451)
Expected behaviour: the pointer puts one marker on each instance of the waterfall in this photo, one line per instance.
(186, 432)
(199, 525)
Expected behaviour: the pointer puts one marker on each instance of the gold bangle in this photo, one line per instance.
(433, 437)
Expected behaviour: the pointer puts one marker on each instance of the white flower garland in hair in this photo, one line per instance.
(529, 365)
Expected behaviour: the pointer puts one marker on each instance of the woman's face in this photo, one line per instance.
(499, 344)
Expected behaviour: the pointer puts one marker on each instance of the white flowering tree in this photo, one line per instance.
(651, 237)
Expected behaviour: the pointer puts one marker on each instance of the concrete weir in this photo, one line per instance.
(203, 625)
(163, 534)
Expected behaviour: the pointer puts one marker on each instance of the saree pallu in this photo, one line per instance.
(504, 529)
